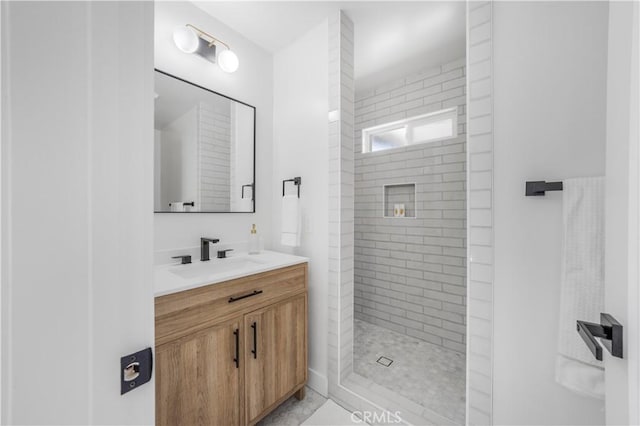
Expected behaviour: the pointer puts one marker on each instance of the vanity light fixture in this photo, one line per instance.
(190, 39)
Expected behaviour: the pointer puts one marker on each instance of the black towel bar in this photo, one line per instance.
(297, 181)
(609, 330)
(537, 188)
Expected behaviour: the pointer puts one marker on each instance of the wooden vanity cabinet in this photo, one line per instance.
(225, 359)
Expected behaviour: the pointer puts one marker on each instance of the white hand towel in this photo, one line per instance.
(582, 284)
(290, 221)
(177, 206)
(245, 205)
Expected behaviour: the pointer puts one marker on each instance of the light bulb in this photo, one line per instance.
(186, 39)
(228, 61)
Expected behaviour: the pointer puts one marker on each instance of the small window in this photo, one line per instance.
(431, 127)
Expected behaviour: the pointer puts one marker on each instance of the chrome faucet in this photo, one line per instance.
(204, 247)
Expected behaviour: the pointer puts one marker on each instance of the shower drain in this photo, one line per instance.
(384, 361)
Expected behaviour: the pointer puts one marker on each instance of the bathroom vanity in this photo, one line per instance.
(231, 341)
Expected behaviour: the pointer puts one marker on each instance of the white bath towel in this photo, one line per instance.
(582, 284)
(290, 221)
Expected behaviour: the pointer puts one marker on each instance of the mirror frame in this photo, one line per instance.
(255, 111)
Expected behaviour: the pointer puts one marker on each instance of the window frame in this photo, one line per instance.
(408, 124)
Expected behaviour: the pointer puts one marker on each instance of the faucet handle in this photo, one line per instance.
(204, 240)
(184, 259)
(223, 253)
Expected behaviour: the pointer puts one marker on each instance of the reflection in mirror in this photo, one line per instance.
(204, 145)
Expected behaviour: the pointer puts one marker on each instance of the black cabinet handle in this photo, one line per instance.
(237, 358)
(235, 299)
(255, 340)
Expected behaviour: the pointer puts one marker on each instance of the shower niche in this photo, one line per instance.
(399, 201)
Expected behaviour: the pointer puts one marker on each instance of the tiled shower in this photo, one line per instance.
(410, 272)
(410, 268)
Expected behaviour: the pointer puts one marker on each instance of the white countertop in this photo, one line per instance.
(173, 278)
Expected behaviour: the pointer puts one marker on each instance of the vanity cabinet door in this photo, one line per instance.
(198, 379)
(275, 354)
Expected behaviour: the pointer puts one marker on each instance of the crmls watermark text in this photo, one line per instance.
(373, 417)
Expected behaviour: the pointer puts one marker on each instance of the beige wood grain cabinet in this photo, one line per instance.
(198, 368)
(229, 353)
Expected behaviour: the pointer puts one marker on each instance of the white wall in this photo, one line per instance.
(179, 144)
(301, 132)
(253, 84)
(3, 372)
(621, 255)
(157, 164)
(241, 150)
(77, 152)
(550, 98)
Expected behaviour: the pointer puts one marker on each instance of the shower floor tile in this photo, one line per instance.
(427, 374)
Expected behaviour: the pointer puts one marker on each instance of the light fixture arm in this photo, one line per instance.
(212, 38)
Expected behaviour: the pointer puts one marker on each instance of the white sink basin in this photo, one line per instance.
(174, 278)
(212, 267)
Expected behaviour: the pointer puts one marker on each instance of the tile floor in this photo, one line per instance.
(429, 375)
(331, 414)
(293, 412)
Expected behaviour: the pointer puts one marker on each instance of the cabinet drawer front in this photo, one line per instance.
(182, 313)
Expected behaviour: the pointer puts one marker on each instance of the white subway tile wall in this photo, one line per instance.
(214, 146)
(410, 273)
(480, 147)
(341, 192)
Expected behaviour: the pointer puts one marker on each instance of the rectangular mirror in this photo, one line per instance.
(204, 150)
